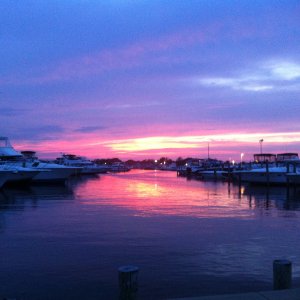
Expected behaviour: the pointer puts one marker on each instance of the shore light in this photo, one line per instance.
(242, 155)
(233, 162)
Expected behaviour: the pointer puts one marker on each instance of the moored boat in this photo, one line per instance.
(119, 167)
(86, 165)
(54, 172)
(44, 171)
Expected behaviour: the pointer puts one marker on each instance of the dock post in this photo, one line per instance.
(287, 177)
(267, 172)
(282, 274)
(128, 282)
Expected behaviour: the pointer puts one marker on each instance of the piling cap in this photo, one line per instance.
(281, 262)
(128, 269)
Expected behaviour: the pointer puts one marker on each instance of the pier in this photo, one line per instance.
(292, 294)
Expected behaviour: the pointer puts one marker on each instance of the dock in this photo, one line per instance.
(288, 294)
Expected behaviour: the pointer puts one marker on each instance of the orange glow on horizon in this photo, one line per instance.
(229, 144)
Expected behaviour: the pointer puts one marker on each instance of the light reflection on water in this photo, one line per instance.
(163, 193)
(188, 237)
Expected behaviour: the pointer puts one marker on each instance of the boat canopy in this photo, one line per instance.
(287, 156)
(264, 157)
(29, 154)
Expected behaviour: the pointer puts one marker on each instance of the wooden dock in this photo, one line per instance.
(288, 294)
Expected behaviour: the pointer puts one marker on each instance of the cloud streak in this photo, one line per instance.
(89, 129)
(274, 75)
(135, 55)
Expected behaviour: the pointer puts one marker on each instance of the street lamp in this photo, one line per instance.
(260, 143)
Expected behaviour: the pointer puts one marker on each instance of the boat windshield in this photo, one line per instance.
(4, 142)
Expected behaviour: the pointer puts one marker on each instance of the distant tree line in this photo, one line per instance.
(148, 163)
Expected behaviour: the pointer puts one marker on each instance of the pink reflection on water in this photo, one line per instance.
(149, 193)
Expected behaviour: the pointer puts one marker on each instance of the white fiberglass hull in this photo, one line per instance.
(48, 172)
(273, 176)
(19, 174)
(55, 174)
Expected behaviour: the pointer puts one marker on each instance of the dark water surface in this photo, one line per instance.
(189, 238)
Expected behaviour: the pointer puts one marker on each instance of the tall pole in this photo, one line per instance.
(208, 150)
(260, 142)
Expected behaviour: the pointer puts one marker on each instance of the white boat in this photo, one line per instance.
(271, 169)
(44, 171)
(86, 165)
(18, 174)
(273, 175)
(53, 172)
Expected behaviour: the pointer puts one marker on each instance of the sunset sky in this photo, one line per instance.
(145, 79)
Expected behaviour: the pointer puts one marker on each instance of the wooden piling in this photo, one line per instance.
(282, 274)
(128, 282)
(267, 172)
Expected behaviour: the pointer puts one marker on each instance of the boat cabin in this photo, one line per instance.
(29, 154)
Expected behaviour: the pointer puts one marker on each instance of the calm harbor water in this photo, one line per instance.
(188, 237)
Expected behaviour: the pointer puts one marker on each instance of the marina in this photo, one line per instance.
(150, 150)
(188, 237)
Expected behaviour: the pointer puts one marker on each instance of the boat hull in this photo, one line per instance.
(211, 175)
(19, 176)
(55, 174)
(3, 177)
(262, 177)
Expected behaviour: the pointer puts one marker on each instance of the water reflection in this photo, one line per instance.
(148, 193)
(73, 238)
(18, 199)
(275, 197)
